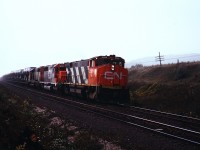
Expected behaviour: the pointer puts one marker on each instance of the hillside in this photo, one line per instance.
(172, 88)
(167, 59)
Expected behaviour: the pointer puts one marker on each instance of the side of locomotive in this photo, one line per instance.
(101, 78)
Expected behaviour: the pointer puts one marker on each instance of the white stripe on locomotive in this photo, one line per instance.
(78, 75)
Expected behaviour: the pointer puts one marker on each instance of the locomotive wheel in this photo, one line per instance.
(66, 90)
(93, 96)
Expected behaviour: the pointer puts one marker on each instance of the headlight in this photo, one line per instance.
(112, 67)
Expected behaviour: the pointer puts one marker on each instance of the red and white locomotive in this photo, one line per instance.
(47, 77)
(102, 78)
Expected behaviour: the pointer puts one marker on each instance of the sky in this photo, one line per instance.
(43, 32)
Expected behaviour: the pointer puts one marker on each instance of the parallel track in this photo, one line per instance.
(183, 121)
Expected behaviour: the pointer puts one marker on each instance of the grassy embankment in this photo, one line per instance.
(172, 88)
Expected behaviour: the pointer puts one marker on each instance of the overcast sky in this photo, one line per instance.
(42, 32)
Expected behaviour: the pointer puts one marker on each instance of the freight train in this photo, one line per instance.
(101, 78)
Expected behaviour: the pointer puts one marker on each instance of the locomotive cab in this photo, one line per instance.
(108, 78)
(107, 71)
(60, 73)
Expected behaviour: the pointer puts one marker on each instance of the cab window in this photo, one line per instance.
(92, 63)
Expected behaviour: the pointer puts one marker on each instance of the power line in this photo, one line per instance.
(169, 58)
(184, 57)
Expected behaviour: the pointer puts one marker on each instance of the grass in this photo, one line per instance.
(17, 115)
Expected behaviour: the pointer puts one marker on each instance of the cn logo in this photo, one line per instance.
(112, 75)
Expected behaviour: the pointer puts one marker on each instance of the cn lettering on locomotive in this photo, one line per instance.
(112, 75)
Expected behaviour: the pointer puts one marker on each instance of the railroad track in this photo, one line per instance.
(190, 123)
(163, 128)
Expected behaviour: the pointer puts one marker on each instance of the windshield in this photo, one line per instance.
(103, 61)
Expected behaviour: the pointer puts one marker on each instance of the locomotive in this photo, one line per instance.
(101, 78)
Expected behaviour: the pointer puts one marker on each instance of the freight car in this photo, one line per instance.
(101, 78)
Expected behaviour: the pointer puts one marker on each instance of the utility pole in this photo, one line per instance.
(159, 58)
